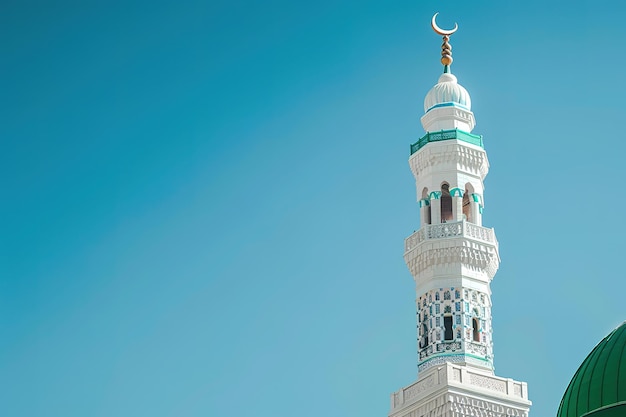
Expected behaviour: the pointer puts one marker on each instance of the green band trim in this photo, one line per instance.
(456, 192)
(439, 355)
(447, 135)
(434, 195)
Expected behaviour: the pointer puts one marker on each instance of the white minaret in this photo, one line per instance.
(453, 259)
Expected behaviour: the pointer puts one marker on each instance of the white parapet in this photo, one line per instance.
(451, 390)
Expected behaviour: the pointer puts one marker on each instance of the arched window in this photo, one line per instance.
(475, 330)
(446, 295)
(437, 296)
(447, 325)
(425, 335)
(457, 294)
(446, 203)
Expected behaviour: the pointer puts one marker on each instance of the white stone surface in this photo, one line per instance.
(445, 118)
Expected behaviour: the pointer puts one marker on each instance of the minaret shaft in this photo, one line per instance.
(452, 257)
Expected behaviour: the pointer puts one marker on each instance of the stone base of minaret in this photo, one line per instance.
(460, 391)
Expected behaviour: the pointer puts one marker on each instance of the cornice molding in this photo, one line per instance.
(468, 158)
(458, 250)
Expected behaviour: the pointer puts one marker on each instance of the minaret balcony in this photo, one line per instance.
(461, 228)
(440, 135)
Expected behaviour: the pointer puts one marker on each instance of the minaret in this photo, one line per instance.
(453, 259)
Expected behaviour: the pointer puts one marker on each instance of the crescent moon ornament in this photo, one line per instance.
(446, 48)
(440, 31)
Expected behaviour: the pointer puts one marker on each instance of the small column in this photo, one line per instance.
(475, 205)
(435, 207)
(457, 204)
(424, 212)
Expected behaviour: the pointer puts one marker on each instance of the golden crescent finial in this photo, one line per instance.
(446, 48)
(440, 31)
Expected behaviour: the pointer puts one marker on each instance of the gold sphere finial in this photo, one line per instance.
(446, 51)
(446, 48)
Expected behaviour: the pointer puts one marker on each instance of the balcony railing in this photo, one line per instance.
(446, 230)
(439, 347)
(445, 135)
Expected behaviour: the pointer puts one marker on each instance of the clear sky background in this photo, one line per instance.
(204, 203)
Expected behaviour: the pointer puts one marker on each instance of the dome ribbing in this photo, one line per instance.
(447, 92)
(600, 381)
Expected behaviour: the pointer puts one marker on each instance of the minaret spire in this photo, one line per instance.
(446, 48)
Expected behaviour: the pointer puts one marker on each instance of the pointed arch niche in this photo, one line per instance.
(471, 205)
(446, 203)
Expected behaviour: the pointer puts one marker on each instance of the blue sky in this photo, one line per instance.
(204, 204)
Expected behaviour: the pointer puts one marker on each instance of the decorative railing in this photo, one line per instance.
(438, 231)
(476, 348)
(488, 382)
(439, 347)
(479, 232)
(425, 352)
(446, 135)
(445, 230)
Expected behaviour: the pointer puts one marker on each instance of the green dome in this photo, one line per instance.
(600, 382)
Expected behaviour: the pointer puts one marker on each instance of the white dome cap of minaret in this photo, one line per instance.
(447, 105)
(447, 92)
